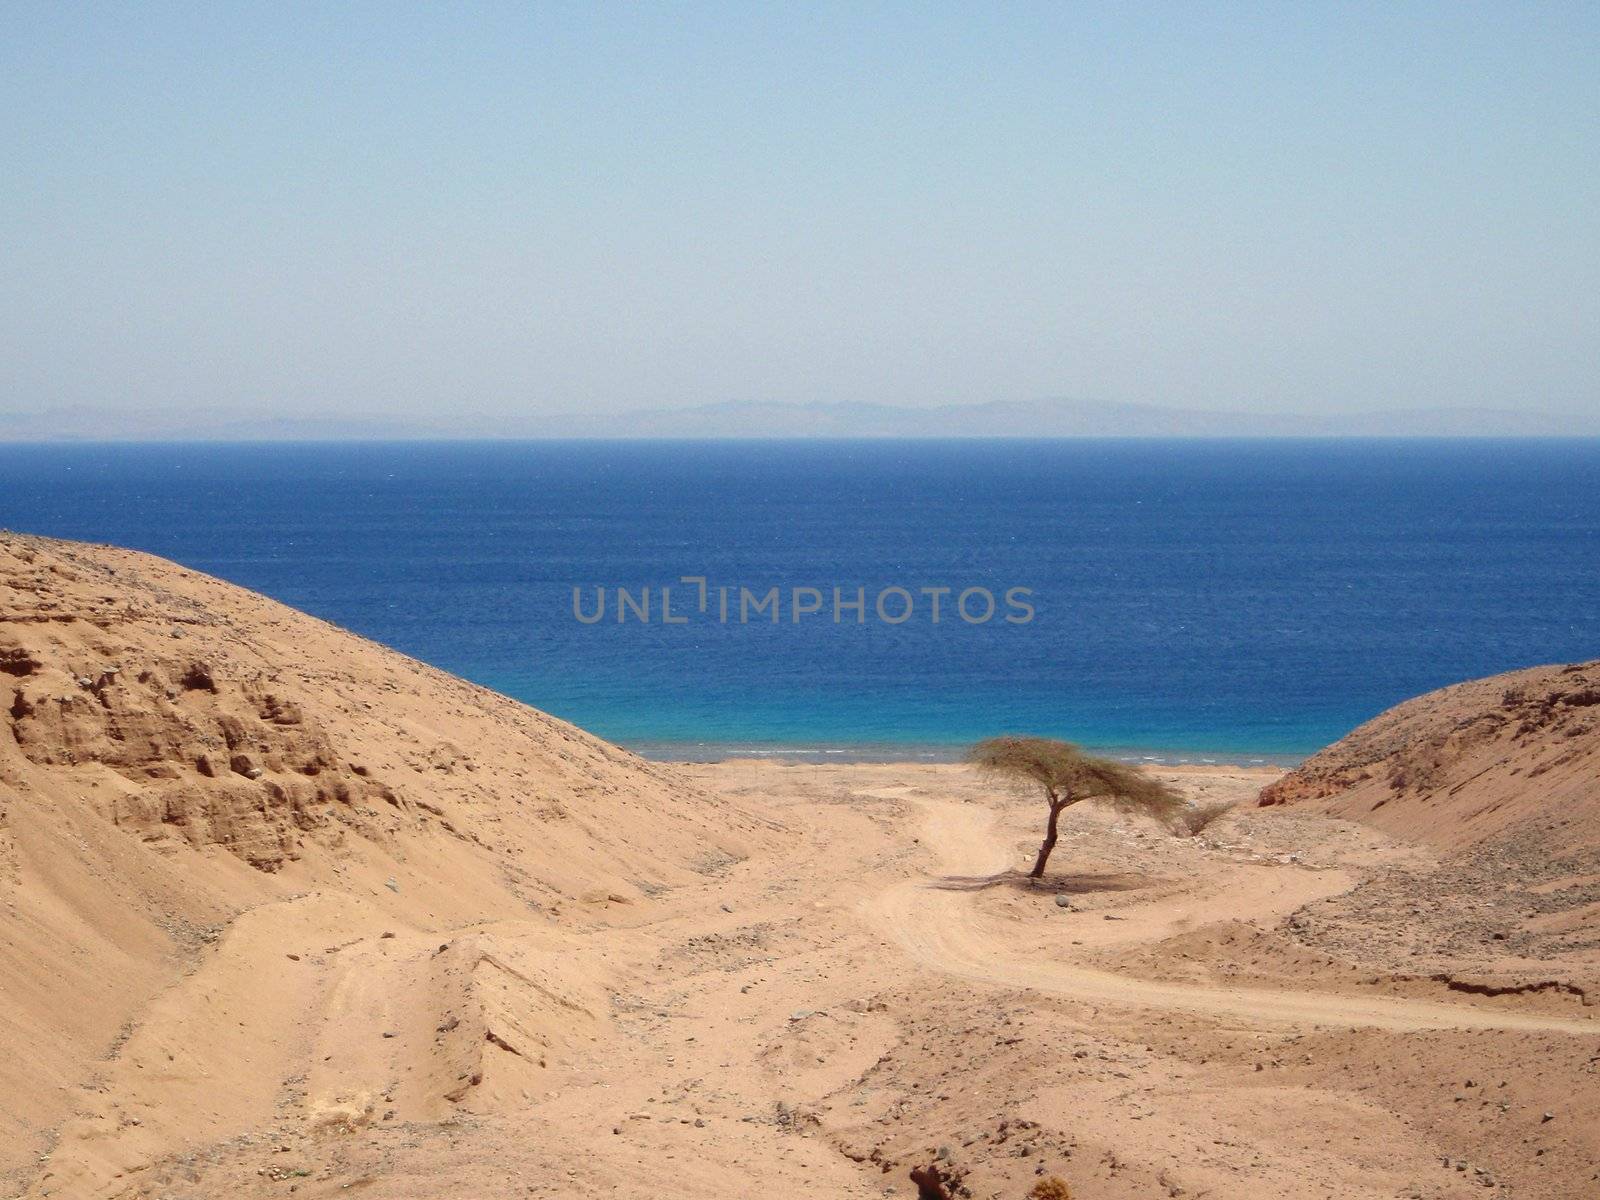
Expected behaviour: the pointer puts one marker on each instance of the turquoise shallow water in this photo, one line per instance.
(1231, 600)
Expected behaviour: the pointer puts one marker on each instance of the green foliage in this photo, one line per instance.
(1068, 775)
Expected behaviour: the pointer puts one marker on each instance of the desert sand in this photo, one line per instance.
(283, 912)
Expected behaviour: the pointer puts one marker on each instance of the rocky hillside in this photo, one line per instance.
(1511, 757)
(233, 838)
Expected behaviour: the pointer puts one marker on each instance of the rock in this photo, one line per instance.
(931, 1182)
(243, 764)
(1063, 901)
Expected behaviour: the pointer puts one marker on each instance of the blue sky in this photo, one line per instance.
(524, 208)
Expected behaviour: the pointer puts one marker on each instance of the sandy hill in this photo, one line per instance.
(1514, 757)
(213, 807)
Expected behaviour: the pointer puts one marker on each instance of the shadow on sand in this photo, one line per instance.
(1072, 884)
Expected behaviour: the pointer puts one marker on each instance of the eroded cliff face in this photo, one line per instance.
(194, 752)
(210, 760)
(1511, 755)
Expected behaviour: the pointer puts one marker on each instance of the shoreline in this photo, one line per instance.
(913, 754)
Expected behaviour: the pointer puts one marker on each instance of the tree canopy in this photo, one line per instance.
(1069, 776)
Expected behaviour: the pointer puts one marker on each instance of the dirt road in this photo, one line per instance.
(936, 923)
(876, 990)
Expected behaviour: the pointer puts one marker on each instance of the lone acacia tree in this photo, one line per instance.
(1069, 776)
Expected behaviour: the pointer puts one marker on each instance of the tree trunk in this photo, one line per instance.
(1049, 839)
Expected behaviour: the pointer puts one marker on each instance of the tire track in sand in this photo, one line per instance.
(942, 929)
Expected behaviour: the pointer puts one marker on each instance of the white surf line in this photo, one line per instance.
(941, 929)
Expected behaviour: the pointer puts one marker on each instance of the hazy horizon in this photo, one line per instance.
(1040, 419)
(412, 219)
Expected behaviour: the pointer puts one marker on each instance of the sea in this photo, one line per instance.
(1168, 601)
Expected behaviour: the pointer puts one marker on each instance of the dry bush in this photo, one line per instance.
(1052, 1187)
(1195, 818)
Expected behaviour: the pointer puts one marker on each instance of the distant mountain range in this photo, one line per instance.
(756, 419)
(1055, 418)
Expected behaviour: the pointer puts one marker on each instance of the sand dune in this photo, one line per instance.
(217, 811)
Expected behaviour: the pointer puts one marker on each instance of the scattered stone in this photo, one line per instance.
(932, 1182)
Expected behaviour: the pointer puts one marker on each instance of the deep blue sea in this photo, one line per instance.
(1191, 599)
